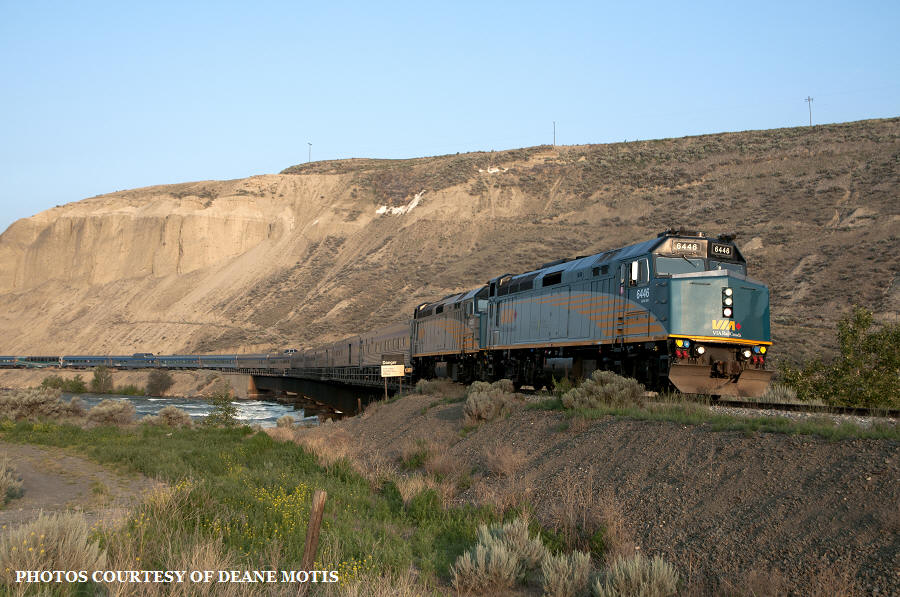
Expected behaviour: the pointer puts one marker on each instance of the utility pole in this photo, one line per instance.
(309, 157)
(554, 133)
(809, 100)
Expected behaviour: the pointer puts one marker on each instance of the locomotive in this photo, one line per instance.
(676, 310)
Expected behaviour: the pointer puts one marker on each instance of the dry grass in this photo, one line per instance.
(412, 485)
(507, 494)
(375, 585)
(442, 465)
(502, 459)
(52, 542)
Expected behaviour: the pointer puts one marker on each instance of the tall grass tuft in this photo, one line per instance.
(52, 542)
(604, 388)
(637, 575)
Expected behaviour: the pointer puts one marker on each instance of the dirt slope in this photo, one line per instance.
(331, 248)
(725, 507)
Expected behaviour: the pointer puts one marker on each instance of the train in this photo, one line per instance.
(675, 311)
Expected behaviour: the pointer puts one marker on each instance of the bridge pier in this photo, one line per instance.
(331, 398)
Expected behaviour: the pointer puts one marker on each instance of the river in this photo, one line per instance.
(249, 412)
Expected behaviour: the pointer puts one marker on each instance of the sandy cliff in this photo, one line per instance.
(329, 248)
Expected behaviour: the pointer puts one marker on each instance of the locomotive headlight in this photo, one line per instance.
(727, 312)
(746, 353)
(728, 292)
(700, 350)
(728, 301)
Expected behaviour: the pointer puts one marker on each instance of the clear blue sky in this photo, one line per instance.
(103, 96)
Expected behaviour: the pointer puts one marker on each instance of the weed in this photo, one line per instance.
(39, 403)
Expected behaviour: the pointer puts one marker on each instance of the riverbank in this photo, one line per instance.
(188, 384)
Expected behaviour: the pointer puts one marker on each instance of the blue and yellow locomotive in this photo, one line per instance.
(676, 309)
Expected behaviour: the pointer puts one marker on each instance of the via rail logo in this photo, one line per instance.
(726, 327)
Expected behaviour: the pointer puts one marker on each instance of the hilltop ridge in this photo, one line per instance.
(327, 249)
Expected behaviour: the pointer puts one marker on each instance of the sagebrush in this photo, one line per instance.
(604, 388)
(112, 412)
(10, 484)
(487, 401)
(637, 575)
(37, 403)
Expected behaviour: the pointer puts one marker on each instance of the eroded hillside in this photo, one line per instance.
(327, 249)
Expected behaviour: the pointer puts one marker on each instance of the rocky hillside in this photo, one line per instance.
(330, 248)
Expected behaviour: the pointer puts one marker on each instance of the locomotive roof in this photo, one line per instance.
(564, 266)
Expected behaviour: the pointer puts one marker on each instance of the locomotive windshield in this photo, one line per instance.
(734, 267)
(666, 266)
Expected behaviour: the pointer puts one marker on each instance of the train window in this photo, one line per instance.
(666, 266)
(734, 267)
(640, 272)
(440, 309)
(551, 279)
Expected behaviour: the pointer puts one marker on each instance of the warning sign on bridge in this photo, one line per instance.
(392, 365)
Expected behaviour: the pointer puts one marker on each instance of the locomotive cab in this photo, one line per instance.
(718, 332)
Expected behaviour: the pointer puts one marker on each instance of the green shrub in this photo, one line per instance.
(52, 542)
(10, 484)
(637, 575)
(37, 403)
(604, 388)
(486, 402)
(529, 550)
(129, 390)
(566, 575)
(102, 383)
(286, 421)
(220, 396)
(158, 382)
(76, 385)
(112, 412)
(865, 373)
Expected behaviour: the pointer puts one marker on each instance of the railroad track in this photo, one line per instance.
(812, 408)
